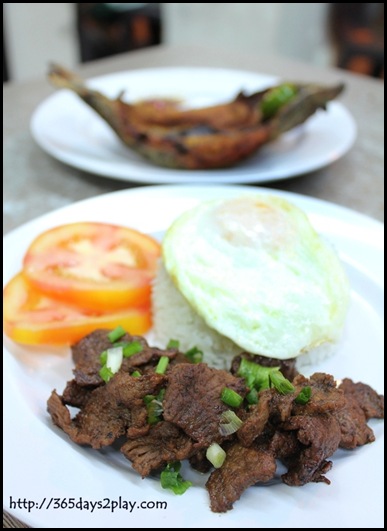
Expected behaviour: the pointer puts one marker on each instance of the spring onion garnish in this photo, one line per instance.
(230, 397)
(105, 373)
(128, 348)
(282, 385)
(171, 478)
(116, 334)
(162, 365)
(173, 343)
(111, 361)
(154, 407)
(256, 376)
(194, 355)
(136, 374)
(216, 455)
(252, 396)
(229, 423)
(131, 348)
(304, 395)
(103, 358)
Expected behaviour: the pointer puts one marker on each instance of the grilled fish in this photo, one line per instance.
(213, 137)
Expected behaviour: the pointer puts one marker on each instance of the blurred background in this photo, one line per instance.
(350, 36)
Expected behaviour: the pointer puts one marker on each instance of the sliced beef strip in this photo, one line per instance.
(193, 402)
(353, 425)
(278, 408)
(361, 404)
(287, 367)
(326, 397)
(130, 392)
(351, 404)
(284, 444)
(368, 399)
(242, 468)
(281, 406)
(76, 395)
(257, 418)
(111, 411)
(320, 435)
(146, 361)
(99, 424)
(163, 444)
(86, 355)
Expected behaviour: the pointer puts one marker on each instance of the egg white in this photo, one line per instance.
(258, 273)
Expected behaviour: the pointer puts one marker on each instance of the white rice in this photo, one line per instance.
(173, 318)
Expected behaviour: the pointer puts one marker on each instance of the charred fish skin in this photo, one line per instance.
(219, 136)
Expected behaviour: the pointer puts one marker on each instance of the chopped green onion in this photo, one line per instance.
(173, 343)
(194, 355)
(115, 334)
(148, 399)
(255, 375)
(252, 396)
(132, 348)
(154, 410)
(111, 361)
(304, 395)
(105, 373)
(216, 455)
(136, 374)
(114, 358)
(154, 407)
(282, 385)
(103, 357)
(230, 397)
(129, 347)
(171, 478)
(229, 423)
(162, 365)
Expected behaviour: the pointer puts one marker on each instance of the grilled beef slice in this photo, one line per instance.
(369, 400)
(361, 404)
(242, 468)
(111, 410)
(301, 436)
(86, 355)
(319, 436)
(193, 402)
(164, 443)
(76, 395)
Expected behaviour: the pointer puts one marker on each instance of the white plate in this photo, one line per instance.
(41, 463)
(69, 130)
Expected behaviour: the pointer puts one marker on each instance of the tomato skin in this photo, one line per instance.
(31, 318)
(93, 265)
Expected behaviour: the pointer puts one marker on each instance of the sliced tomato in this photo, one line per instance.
(94, 265)
(31, 318)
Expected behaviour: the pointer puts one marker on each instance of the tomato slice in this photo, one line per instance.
(94, 265)
(31, 318)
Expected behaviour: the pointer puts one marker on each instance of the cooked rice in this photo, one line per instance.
(173, 318)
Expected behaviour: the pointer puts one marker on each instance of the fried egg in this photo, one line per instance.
(258, 273)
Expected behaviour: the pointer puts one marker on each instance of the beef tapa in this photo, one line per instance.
(278, 429)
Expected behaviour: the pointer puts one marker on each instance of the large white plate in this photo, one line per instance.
(69, 130)
(41, 463)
